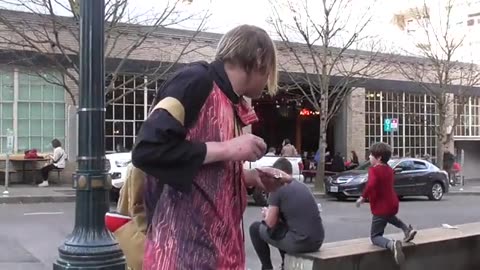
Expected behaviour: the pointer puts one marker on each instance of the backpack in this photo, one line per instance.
(131, 233)
(32, 154)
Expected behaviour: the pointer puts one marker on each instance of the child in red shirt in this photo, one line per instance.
(384, 201)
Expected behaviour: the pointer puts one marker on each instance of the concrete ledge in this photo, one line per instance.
(438, 248)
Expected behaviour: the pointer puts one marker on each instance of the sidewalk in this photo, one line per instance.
(33, 194)
(465, 190)
(471, 188)
(58, 193)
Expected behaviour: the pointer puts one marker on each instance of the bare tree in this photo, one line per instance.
(448, 81)
(56, 38)
(328, 67)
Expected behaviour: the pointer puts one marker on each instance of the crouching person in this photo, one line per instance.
(291, 223)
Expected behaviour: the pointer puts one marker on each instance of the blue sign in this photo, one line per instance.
(387, 125)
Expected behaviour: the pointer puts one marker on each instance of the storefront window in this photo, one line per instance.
(129, 106)
(40, 110)
(416, 118)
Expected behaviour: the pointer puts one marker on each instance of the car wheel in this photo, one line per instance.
(260, 197)
(436, 192)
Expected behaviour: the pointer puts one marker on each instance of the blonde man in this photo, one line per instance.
(192, 143)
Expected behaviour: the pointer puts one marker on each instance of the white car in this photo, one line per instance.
(267, 161)
(118, 162)
(259, 196)
(117, 168)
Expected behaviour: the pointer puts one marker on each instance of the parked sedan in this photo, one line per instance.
(413, 177)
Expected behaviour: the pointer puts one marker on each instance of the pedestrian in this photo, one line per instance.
(288, 150)
(283, 225)
(448, 161)
(192, 144)
(338, 164)
(384, 202)
(56, 161)
(271, 152)
(427, 157)
(354, 161)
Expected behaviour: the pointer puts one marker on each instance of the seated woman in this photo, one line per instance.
(57, 161)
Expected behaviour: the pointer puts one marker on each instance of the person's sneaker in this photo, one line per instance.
(409, 234)
(398, 252)
(43, 184)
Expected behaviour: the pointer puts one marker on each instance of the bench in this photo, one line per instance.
(58, 171)
(437, 248)
(10, 172)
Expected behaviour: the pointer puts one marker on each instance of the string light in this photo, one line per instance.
(307, 112)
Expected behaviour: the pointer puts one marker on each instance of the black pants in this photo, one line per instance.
(46, 170)
(261, 240)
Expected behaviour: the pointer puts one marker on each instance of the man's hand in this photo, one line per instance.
(266, 178)
(264, 212)
(359, 201)
(247, 147)
(271, 179)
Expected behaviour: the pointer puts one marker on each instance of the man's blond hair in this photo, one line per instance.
(252, 48)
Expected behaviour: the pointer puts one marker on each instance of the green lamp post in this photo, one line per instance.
(91, 245)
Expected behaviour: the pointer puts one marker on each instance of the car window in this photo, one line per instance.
(406, 165)
(364, 166)
(392, 163)
(418, 165)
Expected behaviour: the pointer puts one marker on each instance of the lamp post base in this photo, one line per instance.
(89, 258)
(91, 245)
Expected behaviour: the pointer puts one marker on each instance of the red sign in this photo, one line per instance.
(394, 124)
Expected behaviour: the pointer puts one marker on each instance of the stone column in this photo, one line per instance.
(450, 117)
(71, 146)
(356, 122)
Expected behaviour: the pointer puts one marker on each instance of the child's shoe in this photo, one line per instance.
(409, 234)
(396, 248)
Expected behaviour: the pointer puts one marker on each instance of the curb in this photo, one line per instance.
(463, 193)
(318, 195)
(36, 199)
(451, 193)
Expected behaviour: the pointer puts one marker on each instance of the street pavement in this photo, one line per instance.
(65, 193)
(31, 233)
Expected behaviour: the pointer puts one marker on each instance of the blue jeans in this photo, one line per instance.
(378, 228)
(261, 240)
